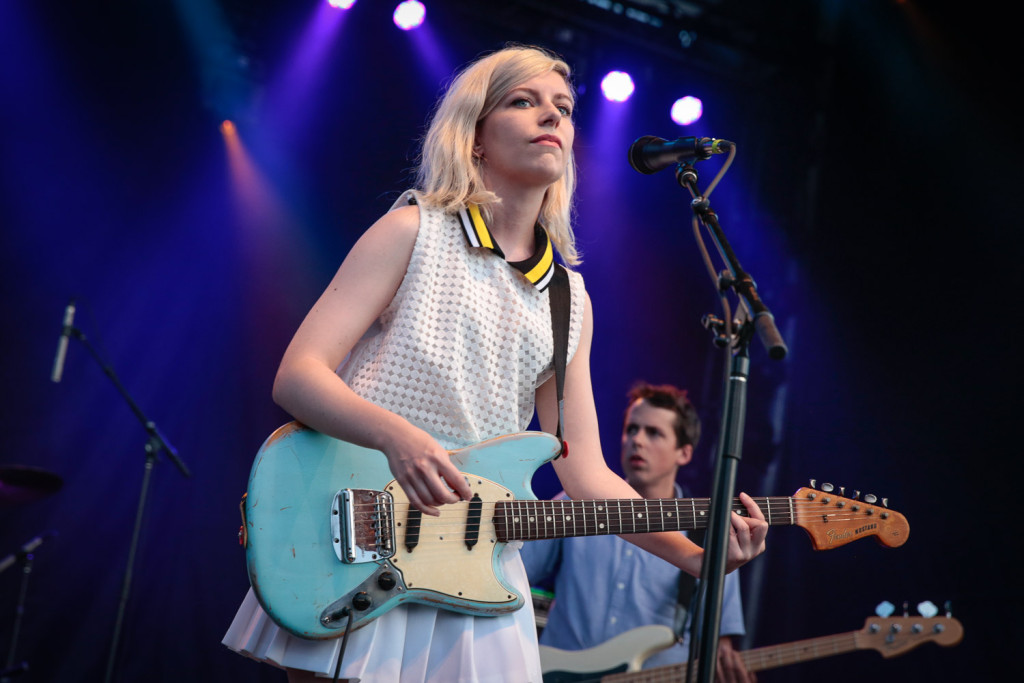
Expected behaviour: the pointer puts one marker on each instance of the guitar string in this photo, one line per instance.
(773, 506)
(779, 511)
(564, 514)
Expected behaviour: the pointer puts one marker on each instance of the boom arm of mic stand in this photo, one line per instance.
(764, 321)
(156, 442)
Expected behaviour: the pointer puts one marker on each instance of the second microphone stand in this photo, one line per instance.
(155, 444)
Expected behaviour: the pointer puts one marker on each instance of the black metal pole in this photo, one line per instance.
(716, 548)
(126, 584)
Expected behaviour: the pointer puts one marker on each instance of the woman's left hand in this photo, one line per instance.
(747, 535)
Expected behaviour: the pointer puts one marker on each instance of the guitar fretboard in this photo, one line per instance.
(530, 520)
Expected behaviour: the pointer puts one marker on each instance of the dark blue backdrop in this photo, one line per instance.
(869, 199)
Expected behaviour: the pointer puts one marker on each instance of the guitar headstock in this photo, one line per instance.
(833, 520)
(893, 636)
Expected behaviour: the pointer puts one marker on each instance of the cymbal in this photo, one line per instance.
(24, 484)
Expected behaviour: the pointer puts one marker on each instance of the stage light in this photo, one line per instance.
(227, 127)
(686, 110)
(409, 15)
(341, 4)
(617, 86)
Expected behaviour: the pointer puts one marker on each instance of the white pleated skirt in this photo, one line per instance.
(411, 643)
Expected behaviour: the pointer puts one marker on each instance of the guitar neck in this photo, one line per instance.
(773, 656)
(758, 659)
(531, 520)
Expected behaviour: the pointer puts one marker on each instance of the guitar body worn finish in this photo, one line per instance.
(625, 652)
(292, 562)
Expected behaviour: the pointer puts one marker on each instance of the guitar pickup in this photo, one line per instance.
(362, 525)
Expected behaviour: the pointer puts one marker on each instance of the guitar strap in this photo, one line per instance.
(561, 299)
(687, 588)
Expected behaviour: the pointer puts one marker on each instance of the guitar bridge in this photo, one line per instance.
(362, 525)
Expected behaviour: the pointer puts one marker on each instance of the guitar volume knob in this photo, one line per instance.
(386, 581)
(361, 601)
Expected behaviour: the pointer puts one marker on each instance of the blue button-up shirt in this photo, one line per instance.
(605, 586)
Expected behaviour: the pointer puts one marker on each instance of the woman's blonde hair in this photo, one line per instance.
(447, 175)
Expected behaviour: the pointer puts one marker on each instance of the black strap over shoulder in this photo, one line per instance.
(687, 581)
(561, 299)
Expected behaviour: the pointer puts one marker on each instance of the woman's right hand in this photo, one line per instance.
(425, 471)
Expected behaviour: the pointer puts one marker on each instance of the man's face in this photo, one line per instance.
(650, 454)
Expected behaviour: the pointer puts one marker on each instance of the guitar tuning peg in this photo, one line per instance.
(814, 483)
(842, 490)
(927, 609)
(856, 495)
(949, 608)
(885, 502)
(885, 609)
(906, 608)
(870, 498)
(827, 488)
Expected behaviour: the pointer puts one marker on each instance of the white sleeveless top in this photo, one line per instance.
(460, 352)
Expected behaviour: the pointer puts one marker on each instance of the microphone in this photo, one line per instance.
(650, 154)
(62, 343)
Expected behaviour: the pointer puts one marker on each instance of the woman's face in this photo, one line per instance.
(527, 138)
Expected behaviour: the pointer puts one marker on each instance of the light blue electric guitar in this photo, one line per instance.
(331, 538)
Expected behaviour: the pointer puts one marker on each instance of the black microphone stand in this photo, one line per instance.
(716, 547)
(155, 444)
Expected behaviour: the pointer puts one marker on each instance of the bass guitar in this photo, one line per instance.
(619, 659)
(330, 538)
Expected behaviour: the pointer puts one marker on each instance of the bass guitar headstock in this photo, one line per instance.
(892, 636)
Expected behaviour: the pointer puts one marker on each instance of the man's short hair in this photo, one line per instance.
(687, 423)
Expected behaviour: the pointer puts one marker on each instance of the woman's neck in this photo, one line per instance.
(512, 222)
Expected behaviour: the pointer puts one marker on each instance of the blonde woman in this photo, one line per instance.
(434, 334)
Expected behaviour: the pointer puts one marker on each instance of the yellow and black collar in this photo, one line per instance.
(538, 269)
